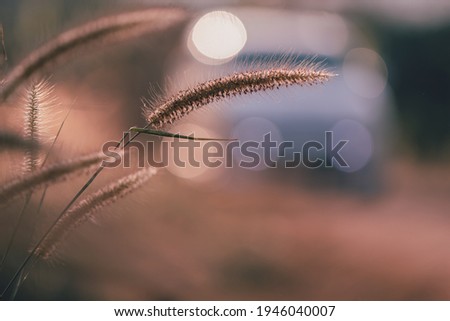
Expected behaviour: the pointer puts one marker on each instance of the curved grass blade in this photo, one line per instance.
(167, 134)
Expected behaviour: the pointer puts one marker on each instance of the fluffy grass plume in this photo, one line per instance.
(240, 83)
(98, 32)
(37, 101)
(85, 209)
(48, 175)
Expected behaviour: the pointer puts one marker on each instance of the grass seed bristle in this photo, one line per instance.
(236, 84)
(99, 32)
(48, 175)
(85, 209)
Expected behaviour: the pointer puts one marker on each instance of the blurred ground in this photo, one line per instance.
(271, 241)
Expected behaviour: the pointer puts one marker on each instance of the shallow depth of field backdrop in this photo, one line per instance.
(378, 231)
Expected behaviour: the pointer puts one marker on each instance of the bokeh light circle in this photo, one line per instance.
(218, 36)
(365, 72)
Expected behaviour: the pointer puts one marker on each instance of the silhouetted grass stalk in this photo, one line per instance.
(104, 30)
(47, 175)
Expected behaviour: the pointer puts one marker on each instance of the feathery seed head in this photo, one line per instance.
(102, 31)
(239, 83)
(48, 175)
(37, 102)
(86, 208)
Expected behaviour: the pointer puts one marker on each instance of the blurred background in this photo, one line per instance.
(376, 230)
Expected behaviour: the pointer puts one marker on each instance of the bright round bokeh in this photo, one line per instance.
(217, 36)
(190, 171)
(365, 72)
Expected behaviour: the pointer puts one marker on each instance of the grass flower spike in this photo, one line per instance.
(105, 30)
(240, 83)
(85, 209)
(48, 175)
